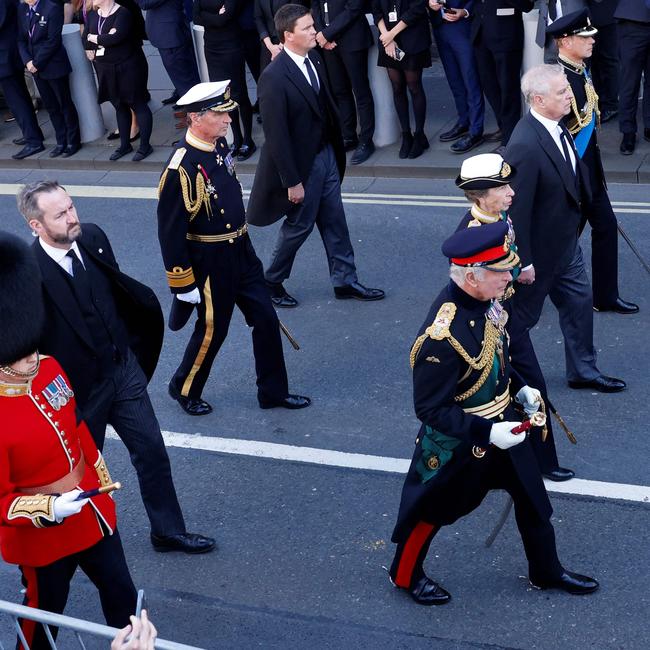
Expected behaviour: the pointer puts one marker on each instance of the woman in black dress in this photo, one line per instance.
(405, 50)
(114, 45)
(224, 54)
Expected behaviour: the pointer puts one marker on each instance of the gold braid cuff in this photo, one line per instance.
(102, 471)
(36, 507)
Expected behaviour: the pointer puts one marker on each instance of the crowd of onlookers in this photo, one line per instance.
(480, 44)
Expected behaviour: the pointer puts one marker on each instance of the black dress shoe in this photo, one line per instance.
(362, 153)
(407, 143)
(628, 143)
(113, 135)
(19, 141)
(457, 131)
(467, 143)
(191, 405)
(646, 134)
(246, 151)
(292, 402)
(620, 307)
(427, 592)
(142, 153)
(190, 543)
(559, 474)
(71, 150)
(172, 99)
(119, 153)
(350, 145)
(606, 116)
(279, 297)
(602, 384)
(572, 583)
(495, 136)
(358, 292)
(57, 151)
(420, 144)
(28, 150)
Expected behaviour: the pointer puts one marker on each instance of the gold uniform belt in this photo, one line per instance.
(213, 239)
(494, 408)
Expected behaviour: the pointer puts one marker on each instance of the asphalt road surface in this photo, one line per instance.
(304, 531)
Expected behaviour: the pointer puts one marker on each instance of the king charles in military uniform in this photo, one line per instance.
(47, 458)
(575, 36)
(464, 395)
(209, 258)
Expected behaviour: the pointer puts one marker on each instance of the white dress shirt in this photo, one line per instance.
(60, 255)
(555, 131)
(299, 60)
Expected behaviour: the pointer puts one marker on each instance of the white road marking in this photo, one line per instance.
(359, 198)
(332, 458)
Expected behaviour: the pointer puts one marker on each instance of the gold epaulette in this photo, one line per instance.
(438, 330)
(36, 507)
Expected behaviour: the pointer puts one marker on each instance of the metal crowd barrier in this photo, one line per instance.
(76, 625)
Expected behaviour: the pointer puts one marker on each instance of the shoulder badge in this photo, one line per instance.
(439, 329)
(176, 158)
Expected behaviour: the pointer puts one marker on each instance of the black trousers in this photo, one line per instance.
(252, 45)
(181, 67)
(536, 532)
(634, 60)
(229, 275)
(20, 104)
(57, 99)
(500, 73)
(348, 72)
(47, 587)
(122, 401)
(604, 67)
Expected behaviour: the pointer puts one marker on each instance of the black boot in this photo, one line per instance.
(407, 143)
(420, 143)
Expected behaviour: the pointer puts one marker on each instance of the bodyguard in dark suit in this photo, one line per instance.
(106, 330)
(633, 32)
(451, 29)
(42, 52)
(551, 187)
(12, 82)
(345, 38)
(302, 162)
(498, 37)
(604, 61)
(575, 35)
(169, 31)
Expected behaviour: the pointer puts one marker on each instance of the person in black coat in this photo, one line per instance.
(12, 82)
(42, 52)
(405, 50)
(224, 55)
(633, 30)
(168, 30)
(551, 186)
(264, 13)
(114, 46)
(106, 331)
(466, 445)
(498, 37)
(302, 162)
(345, 38)
(604, 61)
(575, 37)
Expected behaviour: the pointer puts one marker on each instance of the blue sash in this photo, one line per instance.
(582, 138)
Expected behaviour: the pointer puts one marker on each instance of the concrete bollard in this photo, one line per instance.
(197, 37)
(533, 53)
(83, 86)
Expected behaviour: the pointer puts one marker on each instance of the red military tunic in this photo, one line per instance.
(41, 443)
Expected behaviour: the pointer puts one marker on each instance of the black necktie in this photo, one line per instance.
(313, 79)
(79, 275)
(565, 149)
(552, 9)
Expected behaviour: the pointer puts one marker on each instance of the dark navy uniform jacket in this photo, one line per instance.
(39, 39)
(166, 23)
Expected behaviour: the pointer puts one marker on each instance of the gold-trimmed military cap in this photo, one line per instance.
(484, 171)
(488, 247)
(208, 96)
(576, 23)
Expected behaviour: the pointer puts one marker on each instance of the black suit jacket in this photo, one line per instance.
(348, 26)
(45, 46)
(499, 25)
(293, 129)
(264, 11)
(417, 36)
(547, 207)
(66, 336)
(633, 10)
(166, 23)
(9, 58)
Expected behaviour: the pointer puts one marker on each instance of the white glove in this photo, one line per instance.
(530, 399)
(65, 505)
(503, 438)
(193, 296)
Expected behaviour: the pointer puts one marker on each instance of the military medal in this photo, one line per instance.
(57, 393)
(230, 164)
(209, 187)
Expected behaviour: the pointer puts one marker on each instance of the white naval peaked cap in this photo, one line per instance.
(210, 95)
(484, 171)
